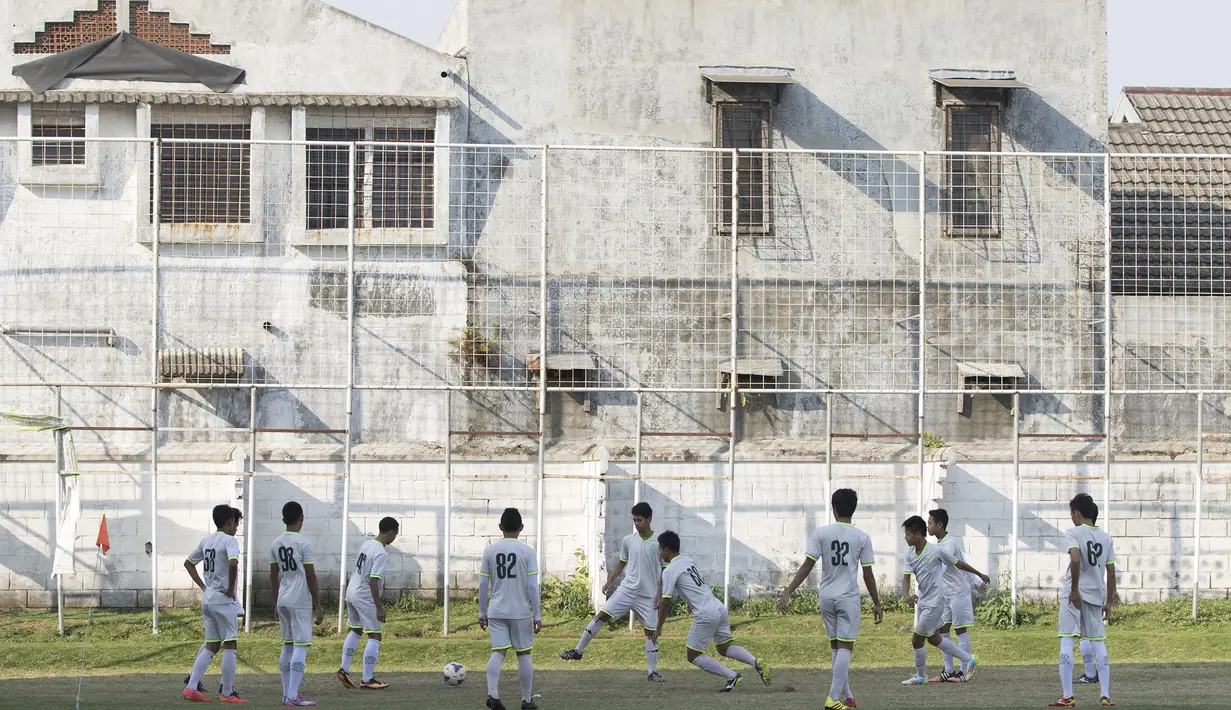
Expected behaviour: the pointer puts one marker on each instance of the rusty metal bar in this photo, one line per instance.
(1088, 437)
(110, 428)
(691, 434)
(531, 434)
(299, 431)
(915, 435)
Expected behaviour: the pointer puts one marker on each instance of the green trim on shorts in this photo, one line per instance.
(523, 650)
(233, 558)
(370, 631)
(839, 638)
(287, 643)
(649, 628)
(1069, 636)
(352, 626)
(303, 645)
(698, 650)
(213, 640)
(963, 626)
(1093, 638)
(724, 643)
(235, 639)
(502, 648)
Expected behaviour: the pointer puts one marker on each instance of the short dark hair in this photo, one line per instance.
(292, 512)
(1084, 504)
(844, 502)
(1094, 518)
(941, 516)
(916, 524)
(223, 514)
(510, 520)
(388, 525)
(670, 540)
(237, 514)
(643, 510)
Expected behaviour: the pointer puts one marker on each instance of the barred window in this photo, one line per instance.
(58, 122)
(744, 125)
(972, 183)
(394, 185)
(205, 180)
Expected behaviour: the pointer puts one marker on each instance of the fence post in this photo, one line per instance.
(734, 389)
(1017, 485)
(1197, 499)
(828, 458)
(542, 454)
(58, 480)
(923, 291)
(251, 564)
(350, 379)
(448, 504)
(1105, 513)
(156, 218)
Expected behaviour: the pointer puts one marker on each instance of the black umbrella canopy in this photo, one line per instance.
(124, 57)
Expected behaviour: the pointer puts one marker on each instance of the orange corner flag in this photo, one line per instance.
(104, 540)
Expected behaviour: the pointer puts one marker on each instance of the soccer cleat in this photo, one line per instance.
(1088, 679)
(495, 704)
(955, 677)
(1064, 703)
(195, 696)
(732, 683)
(570, 655)
(915, 680)
(850, 703)
(528, 705)
(970, 669)
(1106, 702)
(373, 684)
(297, 703)
(767, 676)
(233, 698)
(942, 678)
(655, 677)
(831, 704)
(344, 678)
(200, 686)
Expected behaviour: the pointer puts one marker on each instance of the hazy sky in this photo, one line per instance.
(1152, 42)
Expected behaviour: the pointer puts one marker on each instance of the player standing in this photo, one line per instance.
(365, 614)
(710, 622)
(1088, 602)
(842, 549)
(510, 570)
(1089, 674)
(927, 563)
(292, 576)
(959, 608)
(218, 554)
(642, 568)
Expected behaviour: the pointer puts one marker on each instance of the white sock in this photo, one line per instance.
(1087, 659)
(284, 668)
(946, 646)
(841, 670)
(229, 662)
(1104, 666)
(525, 674)
(711, 665)
(963, 642)
(738, 653)
(493, 674)
(299, 664)
(651, 654)
(349, 646)
(921, 662)
(588, 635)
(199, 666)
(1066, 666)
(846, 689)
(947, 656)
(370, 655)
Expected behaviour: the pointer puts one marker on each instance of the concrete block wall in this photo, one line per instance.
(777, 504)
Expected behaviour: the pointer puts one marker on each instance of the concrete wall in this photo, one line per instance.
(776, 506)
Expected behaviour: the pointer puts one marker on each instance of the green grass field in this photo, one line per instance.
(1158, 656)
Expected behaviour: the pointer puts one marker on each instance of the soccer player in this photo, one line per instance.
(218, 554)
(365, 614)
(1091, 555)
(292, 576)
(642, 568)
(927, 564)
(1089, 674)
(842, 550)
(510, 570)
(958, 613)
(710, 622)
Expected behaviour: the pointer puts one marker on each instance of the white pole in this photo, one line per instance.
(1017, 485)
(734, 392)
(155, 209)
(542, 483)
(1197, 497)
(249, 535)
(828, 457)
(636, 481)
(923, 291)
(1105, 513)
(350, 380)
(448, 505)
(59, 481)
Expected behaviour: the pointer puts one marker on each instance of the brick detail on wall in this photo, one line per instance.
(87, 26)
(158, 28)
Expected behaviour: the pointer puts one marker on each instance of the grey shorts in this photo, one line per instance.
(1086, 622)
(928, 619)
(221, 624)
(841, 617)
(959, 612)
(517, 634)
(361, 615)
(709, 629)
(296, 625)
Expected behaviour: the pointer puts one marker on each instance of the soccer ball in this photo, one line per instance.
(454, 674)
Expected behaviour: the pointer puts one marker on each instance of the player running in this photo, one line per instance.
(958, 613)
(365, 614)
(218, 555)
(292, 576)
(842, 549)
(638, 593)
(1090, 596)
(710, 622)
(927, 564)
(510, 570)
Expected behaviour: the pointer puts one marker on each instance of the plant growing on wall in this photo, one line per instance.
(471, 347)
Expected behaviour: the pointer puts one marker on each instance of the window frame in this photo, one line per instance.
(179, 151)
(995, 228)
(86, 173)
(723, 170)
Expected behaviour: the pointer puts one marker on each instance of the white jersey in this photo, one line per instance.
(369, 564)
(957, 582)
(682, 575)
(1097, 554)
(214, 553)
(928, 568)
(644, 565)
(292, 552)
(842, 549)
(512, 570)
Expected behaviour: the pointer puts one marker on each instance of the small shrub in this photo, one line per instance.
(570, 596)
(932, 442)
(997, 610)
